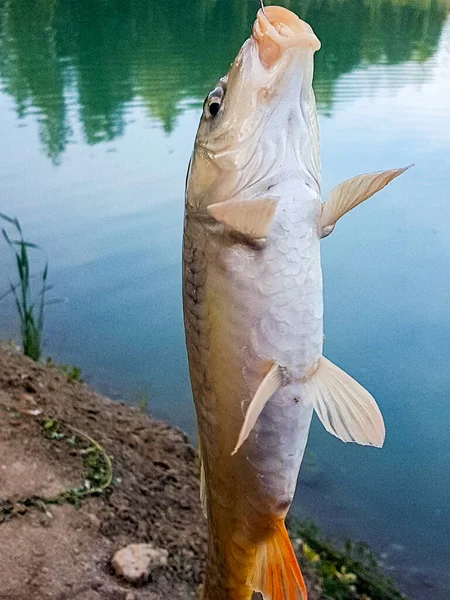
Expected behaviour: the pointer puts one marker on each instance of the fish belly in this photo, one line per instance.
(286, 328)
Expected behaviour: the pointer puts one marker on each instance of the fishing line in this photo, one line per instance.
(262, 6)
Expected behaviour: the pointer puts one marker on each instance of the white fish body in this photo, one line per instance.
(253, 306)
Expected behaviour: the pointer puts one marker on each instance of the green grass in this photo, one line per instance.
(72, 372)
(97, 463)
(30, 307)
(142, 403)
(96, 478)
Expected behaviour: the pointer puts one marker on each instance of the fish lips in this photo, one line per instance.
(277, 29)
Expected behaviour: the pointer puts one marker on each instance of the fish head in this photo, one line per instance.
(262, 111)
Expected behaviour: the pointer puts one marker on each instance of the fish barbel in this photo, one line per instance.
(253, 306)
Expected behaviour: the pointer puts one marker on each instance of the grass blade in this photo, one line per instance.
(26, 244)
(30, 310)
(8, 219)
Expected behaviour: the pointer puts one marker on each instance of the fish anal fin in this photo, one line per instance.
(269, 385)
(276, 573)
(352, 192)
(345, 408)
(249, 218)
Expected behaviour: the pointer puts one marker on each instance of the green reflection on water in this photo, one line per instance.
(88, 60)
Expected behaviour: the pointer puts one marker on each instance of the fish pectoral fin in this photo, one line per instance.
(276, 573)
(352, 192)
(345, 408)
(249, 218)
(269, 385)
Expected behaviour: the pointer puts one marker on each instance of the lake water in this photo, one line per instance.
(99, 103)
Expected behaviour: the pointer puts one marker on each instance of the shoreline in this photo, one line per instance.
(151, 496)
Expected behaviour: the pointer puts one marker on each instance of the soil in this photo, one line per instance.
(64, 551)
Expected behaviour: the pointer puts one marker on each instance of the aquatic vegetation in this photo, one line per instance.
(30, 306)
(351, 573)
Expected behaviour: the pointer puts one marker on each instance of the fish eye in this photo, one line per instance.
(213, 102)
(214, 108)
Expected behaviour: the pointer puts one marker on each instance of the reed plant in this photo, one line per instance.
(30, 306)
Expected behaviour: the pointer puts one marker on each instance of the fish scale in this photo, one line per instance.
(285, 305)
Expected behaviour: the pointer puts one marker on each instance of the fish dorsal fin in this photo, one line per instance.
(203, 497)
(352, 192)
(345, 408)
(269, 385)
(249, 218)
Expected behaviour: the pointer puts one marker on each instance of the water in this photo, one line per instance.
(99, 104)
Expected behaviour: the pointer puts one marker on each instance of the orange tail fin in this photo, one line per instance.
(276, 573)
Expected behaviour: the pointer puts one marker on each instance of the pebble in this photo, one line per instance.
(135, 562)
(29, 398)
(95, 521)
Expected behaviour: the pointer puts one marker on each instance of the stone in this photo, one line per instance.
(29, 398)
(135, 562)
(95, 521)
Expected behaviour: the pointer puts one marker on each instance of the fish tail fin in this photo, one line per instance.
(276, 573)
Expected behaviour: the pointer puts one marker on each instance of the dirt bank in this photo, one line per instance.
(64, 551)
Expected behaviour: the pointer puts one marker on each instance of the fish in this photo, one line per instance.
(253, 306)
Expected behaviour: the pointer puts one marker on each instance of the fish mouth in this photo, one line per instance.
(276, 29)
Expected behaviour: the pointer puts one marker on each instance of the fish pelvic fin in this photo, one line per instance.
(344, 407)
(352, 192)
(276, 573)
(250, 219)
(269, 385)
